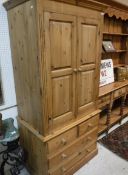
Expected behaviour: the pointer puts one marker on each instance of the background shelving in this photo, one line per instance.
(115, 30)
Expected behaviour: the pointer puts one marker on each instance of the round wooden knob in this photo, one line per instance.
(64, 156)
(88, 150)
(63, 170)
(63, 141)
(75, 70)
(80, 152)
(90, 125)
(89, 139)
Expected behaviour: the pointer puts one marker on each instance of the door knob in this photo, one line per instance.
(79, 69)
(75, 70)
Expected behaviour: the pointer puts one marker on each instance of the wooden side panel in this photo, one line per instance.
(61, 60)
(23, 34)
(89, 46)
(35, 150)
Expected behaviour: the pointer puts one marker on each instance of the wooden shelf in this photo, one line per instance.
(121, 51)
(115, 118)
(116, 34)
(118, 65)
(116, 51)
(111, 87)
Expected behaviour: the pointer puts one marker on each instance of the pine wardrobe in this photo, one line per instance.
(56, 50)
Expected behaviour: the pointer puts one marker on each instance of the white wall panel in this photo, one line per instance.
(6, 68)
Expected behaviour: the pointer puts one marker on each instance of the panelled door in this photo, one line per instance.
(60, 57)
(87, 79)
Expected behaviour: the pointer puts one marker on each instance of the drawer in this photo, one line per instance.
(119, 92)
(62, 140)
(62, 169)
(88, 125)
(72, 150)
(104, 100)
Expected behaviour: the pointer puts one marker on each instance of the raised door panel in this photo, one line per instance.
(60, 45)
(62, 87)
(88, 44)
(87, 64)
(86, 85)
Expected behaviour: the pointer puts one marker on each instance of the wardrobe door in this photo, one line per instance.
(87, 65)
(60, 56)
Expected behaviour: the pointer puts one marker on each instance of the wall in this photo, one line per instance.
(8, 109)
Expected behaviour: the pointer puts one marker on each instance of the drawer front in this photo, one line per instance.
(88, 125)
(62, 140)
(73, 149)
(103, 101)
(119, 92)
(80, 154)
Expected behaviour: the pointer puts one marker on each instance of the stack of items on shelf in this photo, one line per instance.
(122, 73)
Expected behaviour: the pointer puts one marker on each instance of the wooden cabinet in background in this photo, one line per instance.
(56, 49)
(112, 97)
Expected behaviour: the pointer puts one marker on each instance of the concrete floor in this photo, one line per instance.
(105, 163)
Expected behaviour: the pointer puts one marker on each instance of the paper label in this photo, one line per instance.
(106, 72)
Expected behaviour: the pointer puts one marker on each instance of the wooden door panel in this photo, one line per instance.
(60, 42)
(88, 44)
(86, 85)
(61, 90)
(60, 34)
(87, 64)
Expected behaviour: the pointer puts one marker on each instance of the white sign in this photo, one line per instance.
(106, 72)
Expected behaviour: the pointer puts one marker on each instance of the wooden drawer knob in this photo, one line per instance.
(90, 125)
(80, 152)
(89, 139)
(63, 170)
(88, 150)
(64, 156)
(63, 141)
